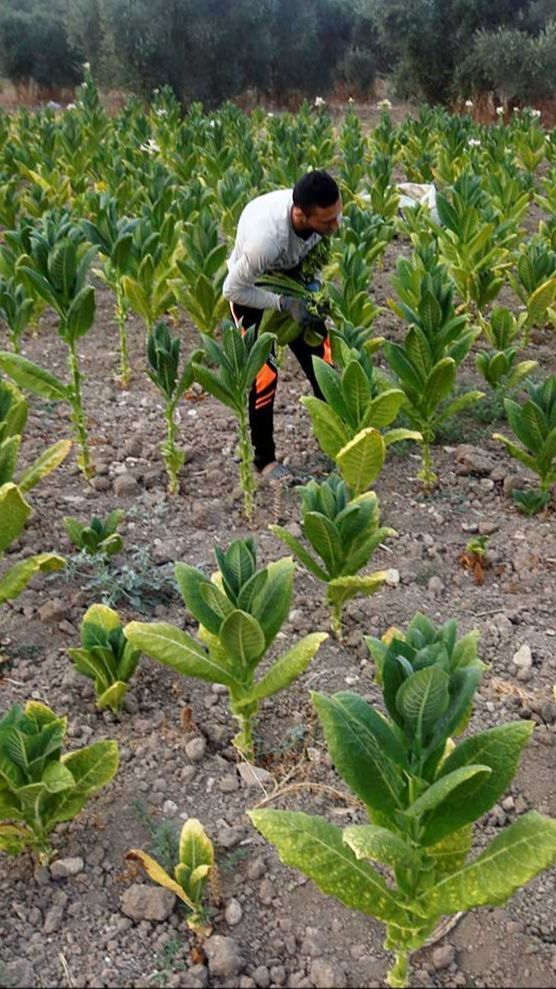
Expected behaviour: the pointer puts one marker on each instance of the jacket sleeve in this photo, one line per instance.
(240, 287)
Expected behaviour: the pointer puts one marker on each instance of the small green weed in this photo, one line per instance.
(164, 837)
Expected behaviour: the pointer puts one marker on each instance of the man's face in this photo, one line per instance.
(324, 220)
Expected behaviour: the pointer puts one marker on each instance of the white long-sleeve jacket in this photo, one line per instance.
(265, 241)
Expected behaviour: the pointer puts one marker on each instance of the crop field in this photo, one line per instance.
(325, 709)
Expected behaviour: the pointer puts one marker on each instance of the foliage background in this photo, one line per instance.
(212, 50)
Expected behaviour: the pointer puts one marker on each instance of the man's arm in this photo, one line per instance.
(240, 287)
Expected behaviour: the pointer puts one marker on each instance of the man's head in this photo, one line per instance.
(317, 204)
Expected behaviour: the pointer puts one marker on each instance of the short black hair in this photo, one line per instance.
(316, 188)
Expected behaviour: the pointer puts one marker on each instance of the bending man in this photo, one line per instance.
(275, 233)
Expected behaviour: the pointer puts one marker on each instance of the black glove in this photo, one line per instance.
(297, 308)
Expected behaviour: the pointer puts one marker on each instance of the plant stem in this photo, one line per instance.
(246, 472)
(336, 621)
(121, 317)
(244, 741)
(397, 975)
(170, 449)
(84, 459)
(427, 475)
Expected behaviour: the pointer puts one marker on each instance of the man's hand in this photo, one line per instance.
(297, 308)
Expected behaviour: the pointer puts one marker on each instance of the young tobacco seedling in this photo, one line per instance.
(347, 424)
(498, 366)
(344, 533)
(57, 272)
(240, 612)
(13, 417)
(40, 787)
(99, 537)
(422, 794)
(195, 867)
(163, 354)
(534, 424)
(14, 512)
(105, 656)
(238, 360)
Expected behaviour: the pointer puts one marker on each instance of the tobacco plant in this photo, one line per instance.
(534, 282)
(14, 512)
(422, 794)
(17, 309)
(201, 275)
(240, 612)
(99, 537)
(347, 423)
(40, 787)
(426, 363)
(344, 533)
(499, 366)
(238, 360)
(196, 867)
(105, 656)
(57, 272)
(13, 417)
(534, 425)
(113, 236)
(163, 354)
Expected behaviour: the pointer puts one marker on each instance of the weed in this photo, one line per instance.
(167, 961)
(229, 862)
(139, 583)
(164, 837)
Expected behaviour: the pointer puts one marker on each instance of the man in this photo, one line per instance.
(275, 233)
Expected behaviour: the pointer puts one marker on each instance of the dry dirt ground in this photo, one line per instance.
(72, 931)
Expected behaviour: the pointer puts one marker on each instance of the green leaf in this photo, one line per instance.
(113, 696)
(342, 589)
(93, 766)
(499, 748)
(174, 648)
(190, 582)
(80, 315)
(286, 669)
(299, 551)
(271, 606)
(34, 378)
(381, 845)
(330, 432)
(443, 788)
(356, 391)
(325, 540)
(57, 777)
(14, 512)
(439, 383)
(361, 460)
(45, 464)
(9, 451)
(423, 698)
(17, 577)
(365, 751)
(510, 861)
(517, 453)
(316, 847)
(398, 435)
(242, 639)
(212, 384)
(383, 409)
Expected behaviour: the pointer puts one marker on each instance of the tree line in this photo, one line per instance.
(213, 50)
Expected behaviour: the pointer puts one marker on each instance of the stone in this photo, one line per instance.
(327, 975)
(261, 976)
(443, 956)
(166, 551)
(100, 483)
(53, 611)
(196, 748)
(19, 973)
(435, 586)
(228, 784)
(256, 868)
(392, 578)
(233, 913)
(63, 868)
(266, 892)
(230, 837)
(224, 956)
(254, 775)
(169, 808)
(473, 460)
(523, 657)
(125, 485)
(53, 920)
(314, 943)
(143, 902)
(133, 447)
